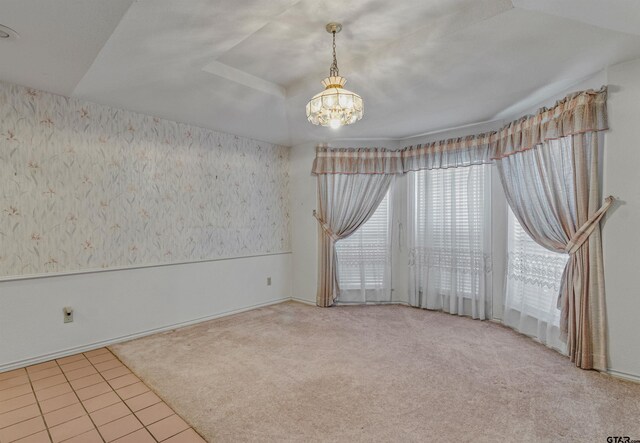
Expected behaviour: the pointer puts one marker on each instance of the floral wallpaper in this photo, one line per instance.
(85, 186)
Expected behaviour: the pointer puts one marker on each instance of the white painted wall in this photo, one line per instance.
(115, 305)
(304, 227)
(621, 240)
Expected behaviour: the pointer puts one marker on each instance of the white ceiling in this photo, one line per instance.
(248, 67)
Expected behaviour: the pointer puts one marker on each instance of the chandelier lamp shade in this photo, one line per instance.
(335, 106)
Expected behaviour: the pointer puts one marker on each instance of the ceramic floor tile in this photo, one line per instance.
(167, 427)
(58, 402)
(101, 401)
(10, 374)
(17, 402)
(154, 413)
(110, 413)
(44, 373)
(65, 414)
(142, 401)
(88, 437)
(139, 436)
(84, 382)
(82, 392)
(110, 364)
(132, 390)
(116, 372)
(48, 382)
(39, 437)
(79, 373)
(123, 381)
(71, 428)
(18, 415)
(70, 359)
(93, 391)
(102, 358)
(14, 381)
(75, 365)
(188, 436)
(22, 429)
(7, 394)
(53, 391)
(120, 427)
(97, 352)
(39, 367)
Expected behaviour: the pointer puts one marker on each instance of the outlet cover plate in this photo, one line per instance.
(67, 314)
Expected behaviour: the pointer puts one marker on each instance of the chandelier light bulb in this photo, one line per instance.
(335, 106)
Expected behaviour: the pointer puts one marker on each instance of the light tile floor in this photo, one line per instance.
(85, 398)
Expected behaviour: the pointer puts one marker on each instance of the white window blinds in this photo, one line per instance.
(364, 259)
(450, 250)
(533, 282)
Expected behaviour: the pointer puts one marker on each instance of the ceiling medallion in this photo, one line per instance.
(335, 106)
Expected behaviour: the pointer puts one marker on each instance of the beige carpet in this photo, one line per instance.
(292, 372)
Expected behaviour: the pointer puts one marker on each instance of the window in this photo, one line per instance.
(534, 275)
(364, 259)
(450, 239)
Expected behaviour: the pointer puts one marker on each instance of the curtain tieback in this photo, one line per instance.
(582, 234)
(325, 227)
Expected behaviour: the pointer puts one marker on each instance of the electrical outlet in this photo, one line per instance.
(67, 313)
(268, 281)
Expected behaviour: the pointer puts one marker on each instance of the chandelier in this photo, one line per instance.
(335, 106)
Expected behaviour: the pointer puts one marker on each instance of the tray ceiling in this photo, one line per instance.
(248, 67)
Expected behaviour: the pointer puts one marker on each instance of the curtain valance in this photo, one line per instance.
(577, 113)
(357, 161)
(451, 153)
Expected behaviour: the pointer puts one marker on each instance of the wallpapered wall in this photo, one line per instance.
(84, 186)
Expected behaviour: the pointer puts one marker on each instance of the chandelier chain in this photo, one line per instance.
(333, 70)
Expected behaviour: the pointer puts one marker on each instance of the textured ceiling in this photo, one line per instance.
(248, 67)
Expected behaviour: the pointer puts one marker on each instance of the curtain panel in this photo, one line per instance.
(449, 239)
(554, 192)
(345, 202)
(532, 284)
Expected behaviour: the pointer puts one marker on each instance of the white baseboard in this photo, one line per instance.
(112, 341)
(623, 375)
(302, 300)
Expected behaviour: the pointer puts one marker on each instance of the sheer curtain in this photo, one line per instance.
(553, 190)
(532, 285)
(364, 259)
(450, 240)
